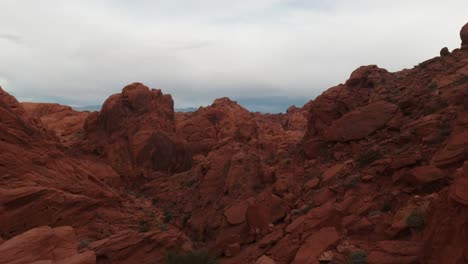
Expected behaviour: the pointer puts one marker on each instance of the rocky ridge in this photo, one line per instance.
(373, 170)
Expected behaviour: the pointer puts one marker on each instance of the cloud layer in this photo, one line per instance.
(80, 52)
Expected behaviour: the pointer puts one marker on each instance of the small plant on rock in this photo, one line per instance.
(352, 181)
(190, 182)
(84, 243)
(416, 219)
(368, 157)
(167, 216)
(143, 227)
(186, 218)
(201, 257)
(387, 207)
(433, 86)
(358, 257)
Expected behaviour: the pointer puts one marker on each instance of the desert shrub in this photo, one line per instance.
(84, 243)
(416, 219)
(305, 209)
(143, 227)
(190, 182)
(154, 201)
(433, 86)
(461, 81)
(374, 213)
(352, 181)
(325, 153)
(167, 216)
(358, 257)
(387, 207)
(186, 218)
(163, 227)
(201, 257)
(270, 160)
(257, 187)
(368, 157)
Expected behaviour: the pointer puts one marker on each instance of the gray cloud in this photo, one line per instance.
(80, 52)
(11, 37)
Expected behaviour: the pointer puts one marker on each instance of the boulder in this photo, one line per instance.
(426, 174)
(236, 214)
(464, 36)
(455, 150)
(444, 52)
(315, 245)
(265, 260)
(361, 122)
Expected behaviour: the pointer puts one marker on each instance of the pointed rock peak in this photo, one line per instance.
(226, 102)
(10, 102)
(464, 36)
(223, 101)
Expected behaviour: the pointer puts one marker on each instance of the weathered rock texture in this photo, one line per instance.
(375, 168)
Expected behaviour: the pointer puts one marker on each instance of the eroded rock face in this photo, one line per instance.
(45, 244)
(315, 245)
(135, 132)
(456, 150)
(361, 122)
(223, 121)
(66, 123)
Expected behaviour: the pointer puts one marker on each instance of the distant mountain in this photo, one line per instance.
(271, 104)
(266, 104)
(90, 108)
(186, 110)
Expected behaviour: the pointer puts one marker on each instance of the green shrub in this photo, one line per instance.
(185, 219)
(352, 181)
(387, 207)
(358, 257)
(433, 86)
(257, 188)
(154, 201)
(84, 243)
(167, 216)
(190, 182)
(163, 227)
(461, 81)
(374, 213)
(368, 157)
(201, 257)
(143, 227)
(416, 219)
(270, 160)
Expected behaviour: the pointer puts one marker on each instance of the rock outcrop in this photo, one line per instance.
(45, 245)
(374, 170)
(464, 36)
(135, 133)
(66, 123)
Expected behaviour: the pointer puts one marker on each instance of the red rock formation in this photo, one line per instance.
(45, 245)
(375, 168)
(66, 123)
(135, 132)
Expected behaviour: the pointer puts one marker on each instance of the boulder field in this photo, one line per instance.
(374, 170)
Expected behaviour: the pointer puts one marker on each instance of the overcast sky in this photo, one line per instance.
(80, 52)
